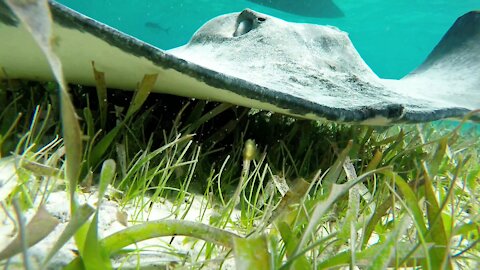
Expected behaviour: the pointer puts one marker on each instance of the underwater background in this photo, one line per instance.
(393, 37)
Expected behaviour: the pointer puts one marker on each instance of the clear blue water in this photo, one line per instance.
(393, 36)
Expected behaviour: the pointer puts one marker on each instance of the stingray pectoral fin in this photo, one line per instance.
(80, 41)
(459, 47)
(451, 73)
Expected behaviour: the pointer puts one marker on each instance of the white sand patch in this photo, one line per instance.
(156, 252)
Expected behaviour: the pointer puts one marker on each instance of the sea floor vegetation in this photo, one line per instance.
(167, 182)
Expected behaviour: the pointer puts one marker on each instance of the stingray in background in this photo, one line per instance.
(258, 61)
(306, 8)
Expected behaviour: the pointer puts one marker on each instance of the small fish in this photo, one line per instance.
(156, 26)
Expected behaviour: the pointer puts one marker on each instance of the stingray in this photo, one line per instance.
(306, 8)
(258, 61)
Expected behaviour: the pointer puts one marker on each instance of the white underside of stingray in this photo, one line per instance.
(254, 60)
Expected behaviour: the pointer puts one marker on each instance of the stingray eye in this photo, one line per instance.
(247, 20)
(243, 27)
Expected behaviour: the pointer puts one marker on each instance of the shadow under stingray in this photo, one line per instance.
(306, 8)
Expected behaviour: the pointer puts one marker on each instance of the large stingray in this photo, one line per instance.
(254, 60)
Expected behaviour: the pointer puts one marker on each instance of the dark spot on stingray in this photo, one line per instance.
(352, 79)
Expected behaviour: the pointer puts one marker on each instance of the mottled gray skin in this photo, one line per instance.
(320, 64)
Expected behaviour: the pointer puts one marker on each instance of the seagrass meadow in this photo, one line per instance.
(93, 177)
(274, 192)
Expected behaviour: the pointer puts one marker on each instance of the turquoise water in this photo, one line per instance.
(393, 36)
